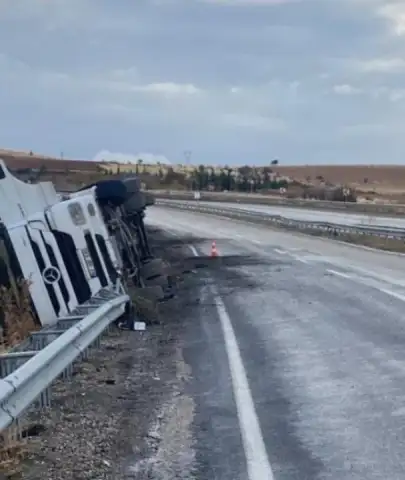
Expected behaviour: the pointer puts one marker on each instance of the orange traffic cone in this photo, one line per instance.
(214, 251)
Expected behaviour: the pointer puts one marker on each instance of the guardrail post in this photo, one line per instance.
(67, 322)
(44, 400)
(13, 434)
(49, 357)
(86, 309)
(41, 339)
(13, 360)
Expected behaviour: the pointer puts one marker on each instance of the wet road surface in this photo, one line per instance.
(296, 355)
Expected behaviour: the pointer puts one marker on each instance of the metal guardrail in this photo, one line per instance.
(333, 228)
(259, 199)
(28, 370)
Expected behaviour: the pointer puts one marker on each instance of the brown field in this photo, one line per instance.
(21, 160)
(382, 178)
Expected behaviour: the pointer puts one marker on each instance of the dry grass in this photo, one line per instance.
(386, 244)
(383, 180)
(372, 241)
(19, 321)
(11, 457)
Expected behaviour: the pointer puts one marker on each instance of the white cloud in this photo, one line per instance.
(249, 3)
(382, 65)
(381, 92)
(121, 93)
(168, 89)
(396, 95)
(394, 12)
(366, 130)
(250, 121)
(67, 15)
(147, 158)
(109, 83)
(345, 89)
(163, 75)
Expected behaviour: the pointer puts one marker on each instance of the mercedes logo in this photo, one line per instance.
(51, 275)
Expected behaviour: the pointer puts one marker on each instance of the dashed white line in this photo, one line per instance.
(238, 235)
(339, 274)
(367, 283)
(257, 461)
(300, 259)
(396, 295)
(194, 250)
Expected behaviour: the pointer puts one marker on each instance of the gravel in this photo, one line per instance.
(125, 413)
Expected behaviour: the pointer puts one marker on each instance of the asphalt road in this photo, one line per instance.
(297, 355)
(311, 215)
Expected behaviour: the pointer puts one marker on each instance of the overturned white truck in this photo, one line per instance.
(71, 247)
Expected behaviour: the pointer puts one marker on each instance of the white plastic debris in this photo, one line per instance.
(140, 326)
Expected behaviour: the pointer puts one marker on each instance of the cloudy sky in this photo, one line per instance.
(231, 81)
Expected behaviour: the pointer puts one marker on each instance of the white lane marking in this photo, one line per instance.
(339, 274)
(300, 259)
(378, 276)
(258, 464)
(396, 295)
(238, 235)
(364, 282)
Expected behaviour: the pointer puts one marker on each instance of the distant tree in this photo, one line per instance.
(213, 180)
(223, 180)
(245, 171)
(274, 162)
(202, 178)
(231, 179)
(170, 175)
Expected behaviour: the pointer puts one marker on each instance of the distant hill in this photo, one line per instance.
(23, 160)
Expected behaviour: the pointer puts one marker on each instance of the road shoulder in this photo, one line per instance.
(109, 420)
